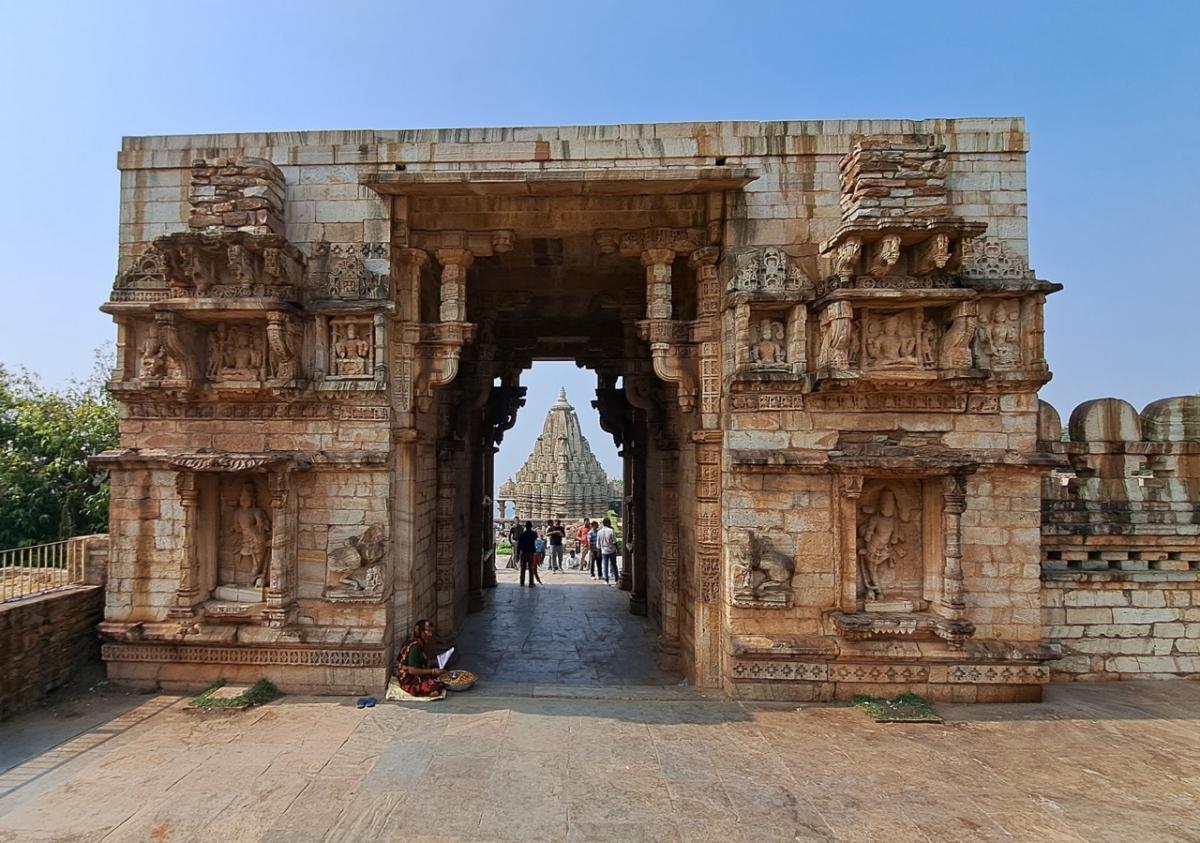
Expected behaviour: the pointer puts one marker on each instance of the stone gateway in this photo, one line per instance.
(818, 346)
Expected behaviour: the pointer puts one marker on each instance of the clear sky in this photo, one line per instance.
(1109, 91)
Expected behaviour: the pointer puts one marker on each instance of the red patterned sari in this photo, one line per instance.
(413, 655)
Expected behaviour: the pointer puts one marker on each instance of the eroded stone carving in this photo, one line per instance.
(770, 271)
(355, 568)
(991, 257)
(889, 546)
(891, 340)
(252, 527)
(235, 353)
(836, 335)
(763, 574)
(351, 347)
(768, 344)
(999, 332)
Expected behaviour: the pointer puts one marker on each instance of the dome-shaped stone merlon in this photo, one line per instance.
(1105, 420)
(1172, 419)
(1049, 427)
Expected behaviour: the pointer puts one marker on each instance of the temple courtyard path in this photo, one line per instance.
(1095, 762)
(571, 631)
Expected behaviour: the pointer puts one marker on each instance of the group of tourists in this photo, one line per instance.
(595, 550)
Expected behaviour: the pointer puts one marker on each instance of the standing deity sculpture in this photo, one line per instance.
(253, 529)
(836, 333)
(1002, 336)
(929, 343)
(879, 542)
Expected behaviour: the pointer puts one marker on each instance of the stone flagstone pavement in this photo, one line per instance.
(598, 759)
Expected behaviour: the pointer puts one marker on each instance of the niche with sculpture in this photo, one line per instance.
(898, 340)
(232, 541)
(771, 339)
(351, 347)
(890, 546)
(998, 335)
(761, 571)
(237, 354)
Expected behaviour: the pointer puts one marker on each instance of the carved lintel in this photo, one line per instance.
(631, 244)
(884, 254)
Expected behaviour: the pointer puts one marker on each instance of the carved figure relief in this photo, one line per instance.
(890, 564)
(768, 344)
(836, 333)
(1000, 334)
(763, 575)
(355, 568)
(252, 529)
(235, 353)
(153, 356)
(351, 347)
(957, 348)
(929, 342)
(282, 344)
(891, 340)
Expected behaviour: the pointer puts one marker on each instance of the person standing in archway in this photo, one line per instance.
(581, 544)
(596, 565)
(526, 548)
(514, 535)
(555, 535)
(607, 541)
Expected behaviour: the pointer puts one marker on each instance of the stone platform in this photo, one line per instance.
(1096, 762)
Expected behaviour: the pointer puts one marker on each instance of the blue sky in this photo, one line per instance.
(1109, 92)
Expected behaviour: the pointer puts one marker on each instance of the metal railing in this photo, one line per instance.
(26, 571)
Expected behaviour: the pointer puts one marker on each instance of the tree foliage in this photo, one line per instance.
(47, 490)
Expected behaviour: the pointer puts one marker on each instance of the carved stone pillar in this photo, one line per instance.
(409, 263)
(704, 261)
(454, 283)
(476, 489)
(281, 584)
(637, 515)
(188, 592)
(489, 527)
(846, 527)
(954, 499)
(709, 534)
(658, 282)
(668, 538)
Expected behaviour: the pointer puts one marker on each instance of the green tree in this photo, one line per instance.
(47, 490)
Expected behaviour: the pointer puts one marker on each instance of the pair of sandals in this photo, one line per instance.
(365, 702)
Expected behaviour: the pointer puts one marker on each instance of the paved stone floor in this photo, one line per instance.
(1095, 762)
(573, 734)
(569, 631)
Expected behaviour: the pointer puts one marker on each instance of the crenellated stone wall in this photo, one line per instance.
(1121, 539)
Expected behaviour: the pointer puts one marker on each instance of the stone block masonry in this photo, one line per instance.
(44, 641)
(1121, 540)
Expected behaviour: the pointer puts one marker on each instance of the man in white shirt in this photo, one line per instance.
(608, 552)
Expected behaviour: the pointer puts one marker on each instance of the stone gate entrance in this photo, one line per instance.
(818, 346)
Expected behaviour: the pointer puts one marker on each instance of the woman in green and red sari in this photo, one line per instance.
(418, 674)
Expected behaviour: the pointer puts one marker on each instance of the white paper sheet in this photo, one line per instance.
(444, 659)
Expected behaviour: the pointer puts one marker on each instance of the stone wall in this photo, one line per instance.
(47, 638)
(1121, 540)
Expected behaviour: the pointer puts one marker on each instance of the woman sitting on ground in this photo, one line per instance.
(418, 674)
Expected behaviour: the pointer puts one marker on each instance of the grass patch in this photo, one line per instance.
(906, 708)
(260, 693)
(504, 549)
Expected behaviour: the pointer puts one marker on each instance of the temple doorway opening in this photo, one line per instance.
(561, 471)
